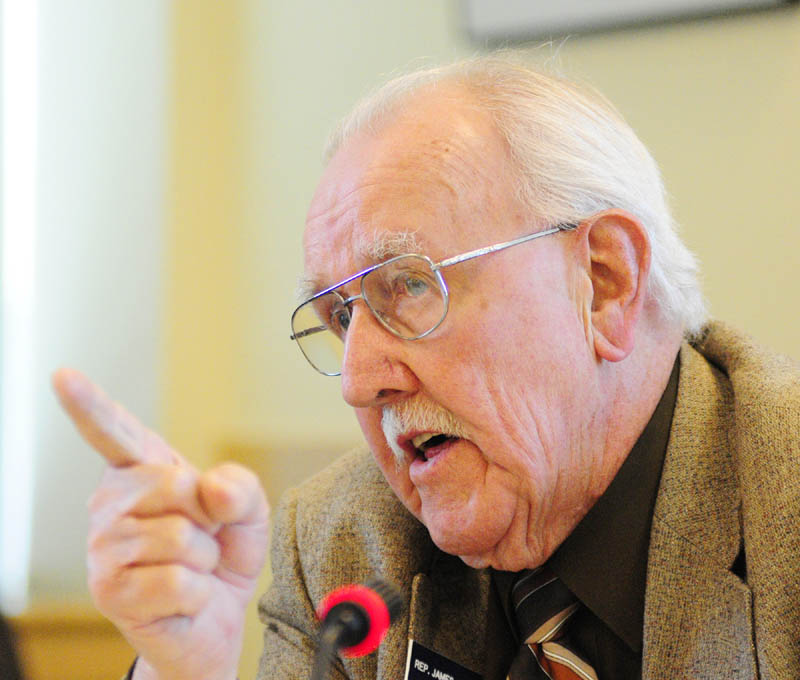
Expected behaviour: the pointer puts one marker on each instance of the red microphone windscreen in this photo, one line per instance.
(373, 605)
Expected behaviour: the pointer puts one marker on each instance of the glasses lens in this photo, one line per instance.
(406, 296)
(321, 345)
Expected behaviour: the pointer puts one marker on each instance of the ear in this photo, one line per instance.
(619, 258)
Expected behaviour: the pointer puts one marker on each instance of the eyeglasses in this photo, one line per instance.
(407, 294)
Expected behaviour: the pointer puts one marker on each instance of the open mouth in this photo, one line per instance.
(429, 443)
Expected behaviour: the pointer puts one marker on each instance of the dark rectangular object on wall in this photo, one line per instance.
(502, 20)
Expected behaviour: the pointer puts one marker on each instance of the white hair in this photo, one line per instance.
(575, 154)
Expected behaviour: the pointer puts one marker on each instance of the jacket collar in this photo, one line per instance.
(698, 614)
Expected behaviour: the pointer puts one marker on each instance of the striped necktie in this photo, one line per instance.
(543, 606)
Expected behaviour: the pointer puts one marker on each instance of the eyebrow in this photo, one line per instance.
(378, 248)
(385, 246)
(306, 288)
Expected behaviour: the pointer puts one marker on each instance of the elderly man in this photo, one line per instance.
(568, 469)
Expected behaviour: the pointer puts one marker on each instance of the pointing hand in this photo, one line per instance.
(174, 553)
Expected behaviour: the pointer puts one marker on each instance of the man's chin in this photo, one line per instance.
(500, 564)
(497, 556)
(476, 554)
(476, 561)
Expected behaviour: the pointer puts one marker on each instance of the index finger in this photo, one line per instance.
(110, 429)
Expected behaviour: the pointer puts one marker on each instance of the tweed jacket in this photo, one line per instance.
(729, 481)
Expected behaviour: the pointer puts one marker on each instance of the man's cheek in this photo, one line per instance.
(369, 419)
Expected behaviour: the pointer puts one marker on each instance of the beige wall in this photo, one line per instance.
(257, 86)
(203, 241)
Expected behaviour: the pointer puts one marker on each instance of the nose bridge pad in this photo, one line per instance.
(349, 305)
(352, 328)
(361, 339)
(348, 302)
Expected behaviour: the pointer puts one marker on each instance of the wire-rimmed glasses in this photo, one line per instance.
(407, 294)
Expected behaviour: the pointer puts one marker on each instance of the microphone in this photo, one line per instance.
(355, 619)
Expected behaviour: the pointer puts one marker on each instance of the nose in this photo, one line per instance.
(375, 371)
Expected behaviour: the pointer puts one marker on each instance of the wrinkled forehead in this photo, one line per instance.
(386, 208)
(375, 223)
(366, 248)
(418, 186)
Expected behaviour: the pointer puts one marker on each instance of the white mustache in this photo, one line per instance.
(417, 415)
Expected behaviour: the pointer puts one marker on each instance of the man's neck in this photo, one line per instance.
(636, 385)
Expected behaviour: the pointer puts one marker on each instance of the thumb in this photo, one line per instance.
(232, 495)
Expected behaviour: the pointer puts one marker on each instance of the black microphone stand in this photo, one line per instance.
(348, 623)
(345, 625)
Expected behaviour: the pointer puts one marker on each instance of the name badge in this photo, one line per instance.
(425, 664)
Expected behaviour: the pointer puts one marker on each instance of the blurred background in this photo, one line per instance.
(158, 158)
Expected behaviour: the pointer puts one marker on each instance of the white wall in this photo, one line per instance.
(99, 260)
(17, 233)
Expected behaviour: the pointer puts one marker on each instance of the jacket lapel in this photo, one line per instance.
(448, 611)
(698, 614)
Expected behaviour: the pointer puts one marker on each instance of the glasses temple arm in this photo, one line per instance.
(502, 246)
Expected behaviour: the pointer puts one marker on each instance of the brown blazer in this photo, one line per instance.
(730, 478)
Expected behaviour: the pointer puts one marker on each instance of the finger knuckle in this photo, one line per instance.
(182, 480)
(99, 499)
(105, 589)
(95, 540)
(179, 534)
(176, 579)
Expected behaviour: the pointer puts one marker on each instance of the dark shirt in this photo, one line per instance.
(604, 560)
